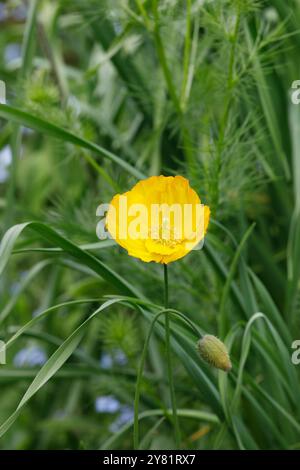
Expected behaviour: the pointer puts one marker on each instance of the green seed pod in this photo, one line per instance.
(214, 352)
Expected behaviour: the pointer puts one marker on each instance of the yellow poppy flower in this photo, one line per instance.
(160, 219)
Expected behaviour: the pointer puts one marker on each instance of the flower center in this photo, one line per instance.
(165, 234)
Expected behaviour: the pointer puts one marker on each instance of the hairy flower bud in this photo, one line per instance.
(213, 351)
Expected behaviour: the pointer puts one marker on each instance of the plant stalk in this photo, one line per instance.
(169, 360)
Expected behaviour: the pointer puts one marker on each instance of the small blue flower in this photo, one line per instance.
(20, 12)
(106, 361)
(31, 356)
(12, 52)
(107, 404)
(5, 161)
(26, 131)
(126, 415)
(2, 12)
(117, 357)
(120, 358)
(14, 287)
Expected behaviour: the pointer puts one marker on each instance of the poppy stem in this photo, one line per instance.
(169, 360)
(166, 281)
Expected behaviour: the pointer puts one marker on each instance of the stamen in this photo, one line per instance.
(165, 234)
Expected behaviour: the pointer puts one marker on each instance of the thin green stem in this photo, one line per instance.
(165, 68)
(186, 140)
(166, 284)
(142, 364)
(16, 135)
(143, 12)
(187, 51)
(228, 100)
(169, 360)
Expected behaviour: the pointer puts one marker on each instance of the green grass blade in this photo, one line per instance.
(25, 282)
(80, 255)
(53, 364)
(26, 119)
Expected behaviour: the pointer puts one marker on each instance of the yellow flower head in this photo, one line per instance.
(160, 219)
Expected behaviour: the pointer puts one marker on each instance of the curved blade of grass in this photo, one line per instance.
(270, 308)
(293, 265)
(245, 351)
(276, 367)
(29, 120)
(192, 414)
(15, 374)
(184, 349)
(246, 292)
(272, 401)
(80, 255)
(242, 434)
(53, 364)
(32, 273)
(223, 377)
(224, 389)
(220, 267)
(141, 369)
(43, 314)
(146, 441)
(222, 315)
(268, 107)
(267, 423)
(86, 246)
(56, 341)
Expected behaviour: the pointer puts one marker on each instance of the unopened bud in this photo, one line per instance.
(213, 351)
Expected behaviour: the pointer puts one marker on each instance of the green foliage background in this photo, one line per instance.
(114, 91)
